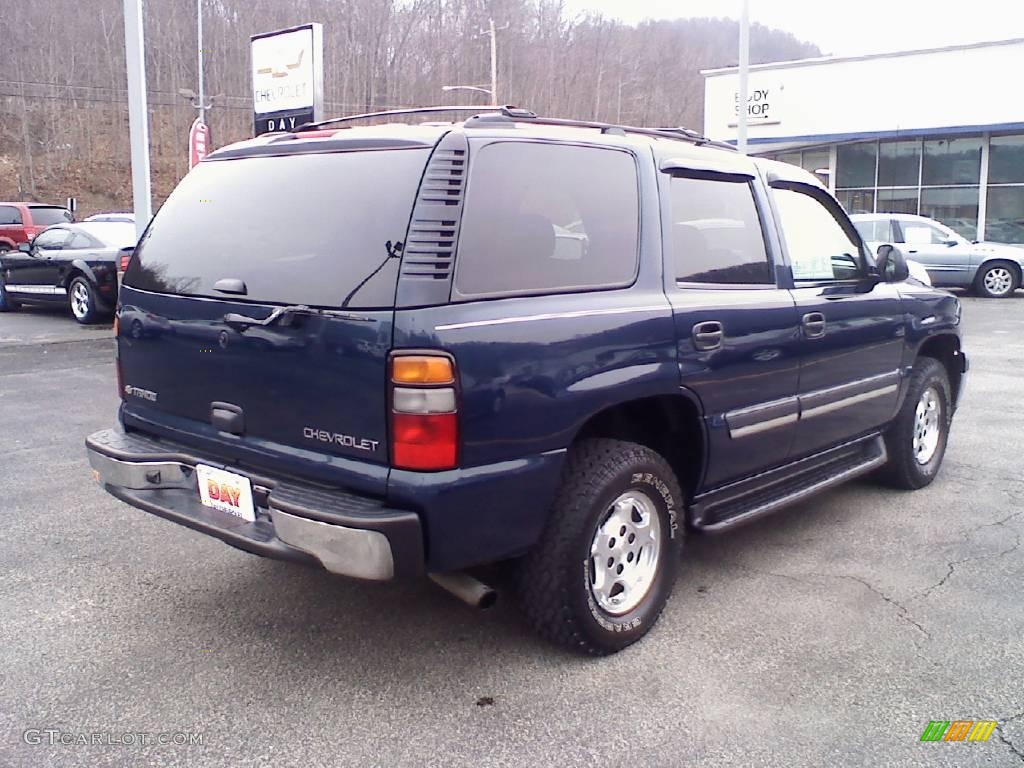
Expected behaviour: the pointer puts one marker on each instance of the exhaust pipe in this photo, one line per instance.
(469, 590)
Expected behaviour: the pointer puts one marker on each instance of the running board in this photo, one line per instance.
(762, 494)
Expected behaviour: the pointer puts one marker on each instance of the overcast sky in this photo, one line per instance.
(849, 27)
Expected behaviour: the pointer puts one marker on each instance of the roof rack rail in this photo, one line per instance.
(395, 113)
(512, 114)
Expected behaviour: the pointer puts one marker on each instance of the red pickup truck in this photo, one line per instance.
(20, 222)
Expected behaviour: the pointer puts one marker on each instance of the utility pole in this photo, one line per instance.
(492, 32)
(741, 108)
(138, 113)
(494, 61)
(199, 68)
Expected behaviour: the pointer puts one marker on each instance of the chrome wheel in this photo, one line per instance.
(927, 429)
(998, 281)
(80, 300)
(624, 553)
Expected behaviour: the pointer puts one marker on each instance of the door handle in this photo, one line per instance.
(814, 325)
(707, 335)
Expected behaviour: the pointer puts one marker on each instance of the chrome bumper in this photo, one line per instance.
(353, 537)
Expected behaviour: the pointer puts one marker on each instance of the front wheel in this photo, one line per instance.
(916, 440)
(605, 566)
(997, 280)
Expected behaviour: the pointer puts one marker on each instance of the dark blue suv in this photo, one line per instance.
(412, 349)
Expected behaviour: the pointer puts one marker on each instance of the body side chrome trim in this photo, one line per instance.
(845, 402)
(551, 316)
(42, 290)
(762, 417)
(764, 426)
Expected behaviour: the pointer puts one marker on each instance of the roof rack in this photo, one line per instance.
(512, 114)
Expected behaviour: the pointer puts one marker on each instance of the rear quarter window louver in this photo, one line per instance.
(429, 254)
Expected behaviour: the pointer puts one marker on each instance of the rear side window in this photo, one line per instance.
(9, 215)
(541, 218)
(44, 216)
(316, 229)
(716, 233)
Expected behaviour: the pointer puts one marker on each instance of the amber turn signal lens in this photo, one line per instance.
(421, 369)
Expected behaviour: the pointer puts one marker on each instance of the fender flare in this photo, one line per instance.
(78, 265)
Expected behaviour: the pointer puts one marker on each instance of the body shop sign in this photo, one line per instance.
(763, 106)
(287, 78)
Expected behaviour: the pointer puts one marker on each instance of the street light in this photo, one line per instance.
(480, 88)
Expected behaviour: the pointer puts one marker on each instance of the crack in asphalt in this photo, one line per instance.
(902, 611)
(1008, 743)
(951, 566)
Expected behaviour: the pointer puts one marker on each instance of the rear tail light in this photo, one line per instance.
(126, 256)
(424, 413)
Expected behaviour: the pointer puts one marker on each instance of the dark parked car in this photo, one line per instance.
(73, 264)
(557, 344)
(20, 222)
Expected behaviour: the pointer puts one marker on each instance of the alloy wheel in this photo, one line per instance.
(624, 553)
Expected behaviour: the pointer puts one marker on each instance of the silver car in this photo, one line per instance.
(992, 269)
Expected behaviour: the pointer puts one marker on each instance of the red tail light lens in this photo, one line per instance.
(424, 441)
(123, 266)
(424, 415)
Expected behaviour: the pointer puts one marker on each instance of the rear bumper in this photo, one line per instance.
(346, 534)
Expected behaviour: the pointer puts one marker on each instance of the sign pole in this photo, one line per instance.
(138, 113)
(199, 68)
(741, 108)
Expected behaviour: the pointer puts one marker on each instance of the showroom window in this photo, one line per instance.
(1004, 219)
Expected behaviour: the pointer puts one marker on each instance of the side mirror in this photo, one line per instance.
(25, 247)
(950, 242)
(892, 265)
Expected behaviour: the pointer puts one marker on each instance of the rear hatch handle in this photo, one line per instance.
(283, 316)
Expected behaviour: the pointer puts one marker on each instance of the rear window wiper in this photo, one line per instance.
(283, 316)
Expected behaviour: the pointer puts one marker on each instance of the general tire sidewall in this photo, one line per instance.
(618, 631)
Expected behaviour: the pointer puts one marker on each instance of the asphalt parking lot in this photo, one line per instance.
(828, 634)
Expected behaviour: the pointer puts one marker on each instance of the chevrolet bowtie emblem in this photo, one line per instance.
(275, 72)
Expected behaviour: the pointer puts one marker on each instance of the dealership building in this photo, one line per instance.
(938, 132)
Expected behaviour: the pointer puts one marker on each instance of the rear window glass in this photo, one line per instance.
(297, 229)
(44, 216)
(543, 217)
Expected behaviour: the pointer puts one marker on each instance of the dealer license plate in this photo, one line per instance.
(226, 491)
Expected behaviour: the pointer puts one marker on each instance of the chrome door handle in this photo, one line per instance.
(708, 335)
(814, 325)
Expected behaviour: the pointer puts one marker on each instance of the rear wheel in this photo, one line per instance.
(997, 280)
(7, 304)
(82, 301)
(607, 561)
(916, 440)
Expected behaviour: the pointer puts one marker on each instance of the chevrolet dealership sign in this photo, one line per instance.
(287, 78)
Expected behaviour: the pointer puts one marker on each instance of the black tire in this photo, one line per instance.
(554, 579)
(903, 469)
(7, 304)
(992, 276)
(88, 311)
